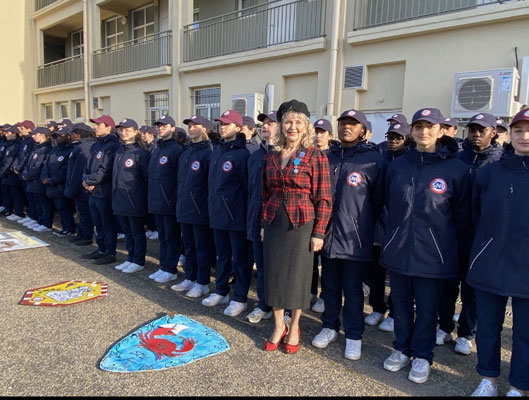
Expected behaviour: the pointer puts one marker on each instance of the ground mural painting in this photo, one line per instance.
(64, 293)
(164, 343)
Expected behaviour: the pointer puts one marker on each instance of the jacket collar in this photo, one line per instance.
(515, 162)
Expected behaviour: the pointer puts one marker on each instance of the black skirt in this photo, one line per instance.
(287, 263)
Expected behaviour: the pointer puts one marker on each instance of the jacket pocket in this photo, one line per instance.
(391, 240)
(355, 224)
(437, 246)
(195, 203)
(227, 208)
(130, 200)
(480, 252)
(164, 195)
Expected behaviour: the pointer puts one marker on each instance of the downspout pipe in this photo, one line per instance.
(86, 55)
(333, 57)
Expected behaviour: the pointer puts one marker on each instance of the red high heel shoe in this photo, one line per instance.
(269, 346)
(292, 348)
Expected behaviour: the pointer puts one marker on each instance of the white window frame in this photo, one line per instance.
(145, 36)
(119, 35)
(80, 104)
(80, 46)
(212, 110)
(159, 108)
(60, 110)
(45, 111)
(196, 18)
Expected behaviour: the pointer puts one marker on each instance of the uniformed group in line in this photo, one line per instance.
(441, 215)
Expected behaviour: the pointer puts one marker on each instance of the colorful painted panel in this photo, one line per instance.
(164, 343)
(12, 241)
(64, 293)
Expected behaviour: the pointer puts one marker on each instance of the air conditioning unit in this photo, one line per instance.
(491, 91)
(248, 104)
(355, 77)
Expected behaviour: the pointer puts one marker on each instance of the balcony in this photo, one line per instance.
(60, 72)
(371, 13)
(43, 3)
(253, 28)
(138, 54)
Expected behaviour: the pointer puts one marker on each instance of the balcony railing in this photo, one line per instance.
(255, 27)
(59, 72)
(43, 3)
(371, 13)
(148, 52)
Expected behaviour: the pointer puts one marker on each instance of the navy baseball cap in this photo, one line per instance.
(356, 115)
(148, 129)
(164, 120)
(12, 129)
(199, 120)
(501, 123)
(323, 124)
(432, 115)
(127, 123)
(248, 121)
(105, 119)
(82, 126)
(522, 115)
(485, 120)
(65, 121)
(272, 115)
(399, 129)
(294, 106)
(181, 132)
(398, 118)
(49, 124)
(450, 121)
(41, 129)
(229, 117)
(64, 130)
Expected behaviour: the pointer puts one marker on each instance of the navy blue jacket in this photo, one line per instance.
(129, 181)
(55, 168)
(3, 143)
(428, 200)
(76, 164)
(98, 169)
(358, 176)
(193, 172)
(255, 179)
(477, 160)
(24, 152)
(33, 168)
(228, 185)
(7, 176)
(163, 177)
(500, 253)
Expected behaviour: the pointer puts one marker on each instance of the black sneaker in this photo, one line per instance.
(83, 242)
(63, 233)
(93, 255)
(106, 259)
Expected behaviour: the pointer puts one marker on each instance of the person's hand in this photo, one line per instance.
(316, 244)
(90, 188)
(262, 234)
(45, 181)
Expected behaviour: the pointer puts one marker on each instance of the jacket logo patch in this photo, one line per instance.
(60, 158)
(129, 162)
(354, 179)
(35, 156)
(438, 186)
(195, 165)
(99, 155)
(227, 166)
(163, 160)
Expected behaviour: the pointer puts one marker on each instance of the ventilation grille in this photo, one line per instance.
(354, 77)
(475, 93)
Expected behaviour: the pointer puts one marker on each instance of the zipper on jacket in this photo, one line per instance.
(481, 251)
(227, 208)
(437, 246)
(195, 203)
(356, 230)
(164, 195)
(391, 240)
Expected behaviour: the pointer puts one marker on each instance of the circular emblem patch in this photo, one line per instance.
(163, 160)
(60, 158)
(354, 179)
(129, 162)
(227, 166)
(319, 122)
(195, 165)
(35, 156)
(438, 186)
(226, 113)
(425, 113)
(99, 155)
(397, 126)
(351, 113)
(480, 116)
(526, 113)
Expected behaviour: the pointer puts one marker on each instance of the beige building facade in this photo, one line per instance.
(140, 59)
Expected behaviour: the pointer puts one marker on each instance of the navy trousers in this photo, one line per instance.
(170, 241)
(198, 242)
(232, 245)
(66, 209)
(150, 221)
(415, 336)
(85, 229)
(44, 209)
(377, 286)
(104, 221)
(491, 314)
(343, 278)
(17, 194)
(7, 200)
(135, 240)
(259, 262)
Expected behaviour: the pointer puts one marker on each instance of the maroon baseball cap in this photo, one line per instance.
(522, 115)
(26, 124)
(106, 119)
(230, 116)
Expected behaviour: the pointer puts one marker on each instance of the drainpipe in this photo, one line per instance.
(86, 54)
(334, 57)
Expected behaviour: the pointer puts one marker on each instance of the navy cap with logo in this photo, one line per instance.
(398, 118)
(483, 119)
(500, 123)
(64, 130)
(271, 115)
(230, 117)
(65, 121)
(248, 121)
(164, 120)
(294, 106)
(450, 121)
(82, 127)
(12, 129)
(323, 124)
(50, 124)
(181, 132)
(356, 115)
(148, 129)
(41, 129)
(432, 115)
(400, 129)
(4, 127)
(199, 120)
(522, 115)
(127, 123)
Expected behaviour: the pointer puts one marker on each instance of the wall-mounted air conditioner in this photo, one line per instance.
(251, 104)
(491, 91)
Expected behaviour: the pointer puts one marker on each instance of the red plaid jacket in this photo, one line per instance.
(307, 194)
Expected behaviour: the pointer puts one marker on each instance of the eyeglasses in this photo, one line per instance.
(394, 138)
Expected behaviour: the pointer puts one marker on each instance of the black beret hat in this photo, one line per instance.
(292, 105)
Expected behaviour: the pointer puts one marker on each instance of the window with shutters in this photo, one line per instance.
(354, 77)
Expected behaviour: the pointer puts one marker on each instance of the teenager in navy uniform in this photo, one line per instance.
(449, 126)
(397, 118)
(6, 202)
(83, 138)
(97, 179)
(192, 208)
(478, 150)
(11, 183)
(248, 129)
(502, 134)
(499, 260)
(427, 197)
(227, 206)
(53, 175)
(357, 176)
(149, 135)
(129, 193)
(31, 175)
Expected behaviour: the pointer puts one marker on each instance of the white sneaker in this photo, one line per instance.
(420, 370)
(353, 349)
(366, 289)
(513, 393)
(148, 233)
(23, 220)
(198, 290)
(442, 337)
(463, 346)
(181, 260)
(486, 389)
(120, 236)
(215, 299)
(41, 228)
(29, 222)
(123, 265)
(132, 267)
(326, 336)
(165, 276)
(396, 361)
(235, 308)
(455, 318)
(155, 274)
(374, 318)
(153, 235)
(186, 284)
(13, 217)
(388, 325)
(34, 227)
(257, 315)
(2, 208)
(319, 306)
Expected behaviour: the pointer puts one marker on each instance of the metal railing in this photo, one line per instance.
(148, 52)
(254, 27)
(43, 3)
(60, 72)
(371, 13)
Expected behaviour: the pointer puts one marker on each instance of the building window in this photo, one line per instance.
(63, 110)
(77, 43)
(113, 32)
(196, 17)
(79, 109)
(143, 23)
(206, 102)
(157, 106)
(48, 111)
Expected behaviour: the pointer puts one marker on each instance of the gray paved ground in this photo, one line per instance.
(57, 351)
